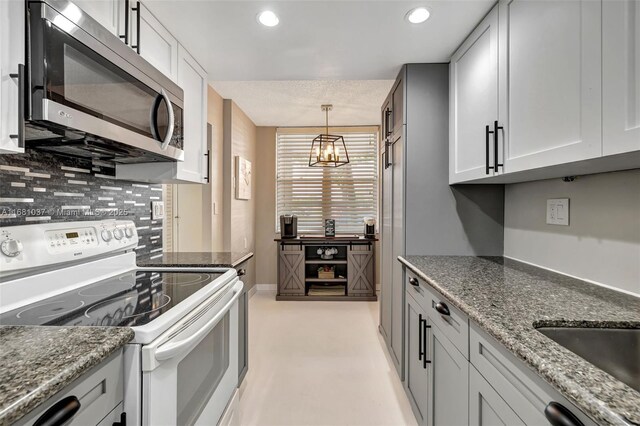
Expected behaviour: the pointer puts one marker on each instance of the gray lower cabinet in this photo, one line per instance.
(100, 394)
(449, 381)
(486, 407)
(291, 270)
(245, 273)
(416, 369)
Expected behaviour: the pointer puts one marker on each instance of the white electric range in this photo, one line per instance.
(182, 366)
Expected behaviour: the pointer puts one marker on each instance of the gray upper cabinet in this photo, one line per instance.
(421, 214)
(546, 89)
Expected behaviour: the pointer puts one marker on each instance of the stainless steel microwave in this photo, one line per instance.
(90, 95)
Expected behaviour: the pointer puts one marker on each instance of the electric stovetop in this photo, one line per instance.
(131, 299)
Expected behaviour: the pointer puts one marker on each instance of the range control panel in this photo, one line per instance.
(26, 247)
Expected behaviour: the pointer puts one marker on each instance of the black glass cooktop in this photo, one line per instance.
(131, 299)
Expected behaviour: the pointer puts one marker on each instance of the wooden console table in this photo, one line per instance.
(353, 266)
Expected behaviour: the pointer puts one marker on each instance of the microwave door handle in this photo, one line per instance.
(170, 350)
(167, 138)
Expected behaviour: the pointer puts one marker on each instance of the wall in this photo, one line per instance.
(63, 189)
(602, 241)
(239, 218)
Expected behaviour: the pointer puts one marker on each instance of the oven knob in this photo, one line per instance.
(106, 235)
(11, 247)
(118, 234)
(128, 232)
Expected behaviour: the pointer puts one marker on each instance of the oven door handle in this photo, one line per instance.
(170, 350)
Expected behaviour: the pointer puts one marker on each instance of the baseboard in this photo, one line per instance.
(266, 287)
(252, 291)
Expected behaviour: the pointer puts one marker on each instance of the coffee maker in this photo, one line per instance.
(288, 226)
(369, 227)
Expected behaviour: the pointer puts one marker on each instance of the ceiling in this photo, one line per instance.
(340, 52)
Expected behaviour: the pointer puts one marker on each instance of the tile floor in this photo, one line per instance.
(319, 363)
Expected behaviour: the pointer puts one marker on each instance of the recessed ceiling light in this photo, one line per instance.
(268, 18)
(418, 15)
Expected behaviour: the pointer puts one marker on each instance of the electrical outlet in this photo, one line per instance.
(157, 210)
(558, 211)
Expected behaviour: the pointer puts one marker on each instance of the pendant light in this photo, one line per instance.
(328, 150)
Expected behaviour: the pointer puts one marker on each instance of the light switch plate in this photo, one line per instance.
(558, 211)
(157, 210)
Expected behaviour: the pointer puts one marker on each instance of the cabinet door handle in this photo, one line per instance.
(442, 308)
(420, 344)
(425, 327)
(487, 132)
(386, 155)
(495, 146)
(125, 37)
(208, 165)
(559, 415)
(414, 282)
(387, 116)
(123, 420)
(20, 76)
(60, 412)
(137, 10)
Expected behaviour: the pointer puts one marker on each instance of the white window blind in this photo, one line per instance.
(347, 193)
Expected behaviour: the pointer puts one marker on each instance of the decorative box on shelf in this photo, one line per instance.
(326, 272)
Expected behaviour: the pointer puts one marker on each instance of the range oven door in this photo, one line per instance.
(190, 373)
(93, 95)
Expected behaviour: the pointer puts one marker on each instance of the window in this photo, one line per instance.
(347, 193)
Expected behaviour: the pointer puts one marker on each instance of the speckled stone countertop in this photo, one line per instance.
(221, 259)
(37, 362)
(508, 299)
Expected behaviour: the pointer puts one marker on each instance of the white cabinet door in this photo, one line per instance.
(157, 45)
(620, 76)
(473, 101)
(550, 82)
(193, 80)
(12, 36)
(109, 13)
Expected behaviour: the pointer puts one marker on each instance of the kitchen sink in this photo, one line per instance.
(614, 350)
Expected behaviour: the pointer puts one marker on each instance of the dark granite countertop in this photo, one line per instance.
(220, 259)
(508, 299)
(37, 362)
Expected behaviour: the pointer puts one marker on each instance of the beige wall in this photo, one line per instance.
(266, 248)
(239, 218)
(602, 241)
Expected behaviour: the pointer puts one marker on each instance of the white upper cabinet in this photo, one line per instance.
(621, 76)
(550, 82)
(474, 102)
(193, 80)
(12, 37)
(156, 44)
(109, 13)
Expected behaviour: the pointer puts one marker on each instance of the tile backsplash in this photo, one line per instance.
(38, 187)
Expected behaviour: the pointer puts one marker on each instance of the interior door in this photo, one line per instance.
(550, 82)
(620, 76)
(473, 102)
